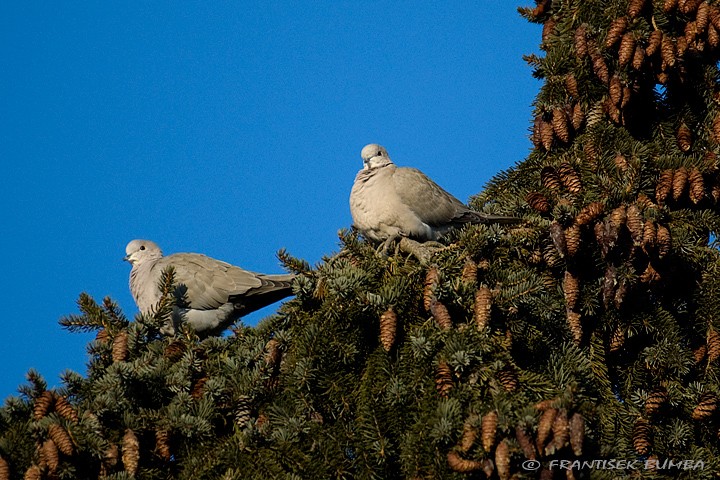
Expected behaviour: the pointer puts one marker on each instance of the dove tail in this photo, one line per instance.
(471, 216)
(273, 289)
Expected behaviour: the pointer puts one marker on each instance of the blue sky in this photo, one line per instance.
(226, 128)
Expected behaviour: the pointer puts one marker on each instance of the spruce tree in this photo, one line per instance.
(591, 332)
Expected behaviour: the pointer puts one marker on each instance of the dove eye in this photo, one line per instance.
(142, 247)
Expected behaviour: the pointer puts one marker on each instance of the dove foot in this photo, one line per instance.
(422, 251)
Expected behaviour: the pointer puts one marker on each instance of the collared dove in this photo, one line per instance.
(215, 293)
(388, 202)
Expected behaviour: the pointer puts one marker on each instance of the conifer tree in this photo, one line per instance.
(591, 332)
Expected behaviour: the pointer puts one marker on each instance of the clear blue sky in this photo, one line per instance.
(226, 128)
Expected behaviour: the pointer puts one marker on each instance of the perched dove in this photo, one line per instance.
(388, 202)
(215, 293)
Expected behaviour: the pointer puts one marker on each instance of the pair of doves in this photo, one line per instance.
(387, 203)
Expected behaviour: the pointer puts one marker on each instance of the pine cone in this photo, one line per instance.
(638, 59)
(33, 473)
(560, 124)
(667, 50)
(577, 433)
(552, 259)
(243, 411)
(130, 452)
(580, 41)
(705, 407)
(702, 19)
(543, 405)
(570, 178)
(508, 378)
(443, 379)
(615, 89)
(110, 457)
(469, 435)
(713, 37)
(599, 66)
(469, 271)
(578, 117)
(664, 185)
(42, 404)
(697, 185)
(654, 42)
(617, 340)
(63, 407)
(572, 238)
(699, 353)
(649, 235)
(545, 424)
(462, 465)
(571, 287)
(589, 213)
(627, 94)
(482, 307)
(550, 179)
(61, 438)
(525, 443)
(650, 275)
(547, 134)
(575, 326)
(441, 315)
(621, 163)
(713, 345)
(641, 436)
(670, 5)
(663, 241)
(175, 350)
(684, 138)
(572, 85)
(488, 430)
(49, 455)
(627, 49)
(432, 279)
(388, 328)
(616, 31)
(557, 234)
(716, 128)
(715, 16)
(691, 32)
(618, 217)
(4, 469)
(655, 401)
(635, 7)
(198, 388)
(502, 460)
(560, 430)
(634, 223)
(689, 6)
(120, 346)
(538, 202)
(162, 444)
(548, 30)
(102, 336)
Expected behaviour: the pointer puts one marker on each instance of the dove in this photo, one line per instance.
(210, 295)
(388, 202)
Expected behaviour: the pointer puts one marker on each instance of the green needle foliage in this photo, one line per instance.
(589, 333)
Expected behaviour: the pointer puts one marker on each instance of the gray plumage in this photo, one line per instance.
(216, 293)
(388, 202)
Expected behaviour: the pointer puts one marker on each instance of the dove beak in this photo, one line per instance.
(126, 258)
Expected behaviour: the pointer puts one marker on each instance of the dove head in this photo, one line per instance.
(375, 156)
(139, 251)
